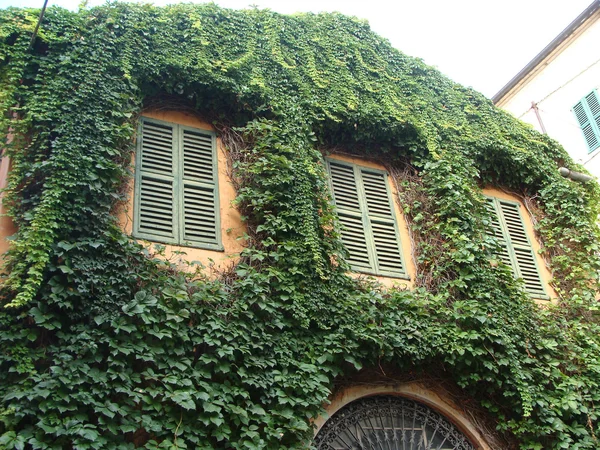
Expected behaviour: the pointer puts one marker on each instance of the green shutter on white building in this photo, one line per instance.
(366, 213)
(587, 112)
(515, 246)
(176, 192)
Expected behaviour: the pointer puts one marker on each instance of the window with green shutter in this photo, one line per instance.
(516, 250)
(176, 189)
(366, 212)
(587, 112)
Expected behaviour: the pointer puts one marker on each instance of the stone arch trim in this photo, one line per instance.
(435, 400)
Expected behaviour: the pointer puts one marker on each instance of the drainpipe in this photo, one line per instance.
(534, 106)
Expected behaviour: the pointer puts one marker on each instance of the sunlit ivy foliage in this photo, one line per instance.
(104, 346)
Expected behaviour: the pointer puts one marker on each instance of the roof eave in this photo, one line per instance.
(553, 45)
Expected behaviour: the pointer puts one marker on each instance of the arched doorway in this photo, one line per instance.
(387, 422)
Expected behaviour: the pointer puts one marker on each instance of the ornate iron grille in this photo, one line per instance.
(389, 423)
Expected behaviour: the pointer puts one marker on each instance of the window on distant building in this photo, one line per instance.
(366, 212)
(176, 190)
(516, 250)
(587, 112)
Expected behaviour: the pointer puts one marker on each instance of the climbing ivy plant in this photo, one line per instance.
(103, 345)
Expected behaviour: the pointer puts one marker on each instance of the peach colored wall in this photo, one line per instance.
(402, 226)
(7, 227)
(545, 273)
(415, 391)
(232, 227)
(231, 224)
(561, 80)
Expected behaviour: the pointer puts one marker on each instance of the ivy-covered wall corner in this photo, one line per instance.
(105, 346)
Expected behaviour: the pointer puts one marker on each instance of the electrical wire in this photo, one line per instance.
(562, 86)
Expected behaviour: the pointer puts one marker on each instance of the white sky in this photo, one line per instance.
(478, 43)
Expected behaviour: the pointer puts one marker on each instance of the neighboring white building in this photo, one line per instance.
(558, 92)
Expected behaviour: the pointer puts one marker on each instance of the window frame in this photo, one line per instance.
(179, 181)
(592, 120)
(509, 245)
(374, 261)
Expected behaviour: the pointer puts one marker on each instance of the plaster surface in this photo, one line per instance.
(437, 401)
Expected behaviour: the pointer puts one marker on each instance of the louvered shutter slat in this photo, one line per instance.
(581, 114)
(156, 207)
(509, 229)
(503, 253)
(514, 224)
(386, 243)
(155, 190)
(176, 198)
(344, 186)
(590, 137)
(528, 270)
(376, 194)
(388, 251)
(369, 230)
(522, 249)
(198, 156)
(345, 193)
(200, 218)
(593, 104)
(587, 112)
(200, 208)
(157, 148)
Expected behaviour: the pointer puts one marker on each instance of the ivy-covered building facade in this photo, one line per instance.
(243, 230)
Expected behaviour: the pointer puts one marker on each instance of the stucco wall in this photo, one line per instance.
(437, 399)
(567, 75)
(233, 228)
(7, 228)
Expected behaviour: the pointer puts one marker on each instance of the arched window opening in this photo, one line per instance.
(389, 423)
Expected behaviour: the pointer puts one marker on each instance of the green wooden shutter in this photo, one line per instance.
(176, 194)
(200, 194)
(517, 250)
(348, 206)
(497, 232)
(587, 112)
(365, 210)
(524, 256)
(155, 205)
(382, 223)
